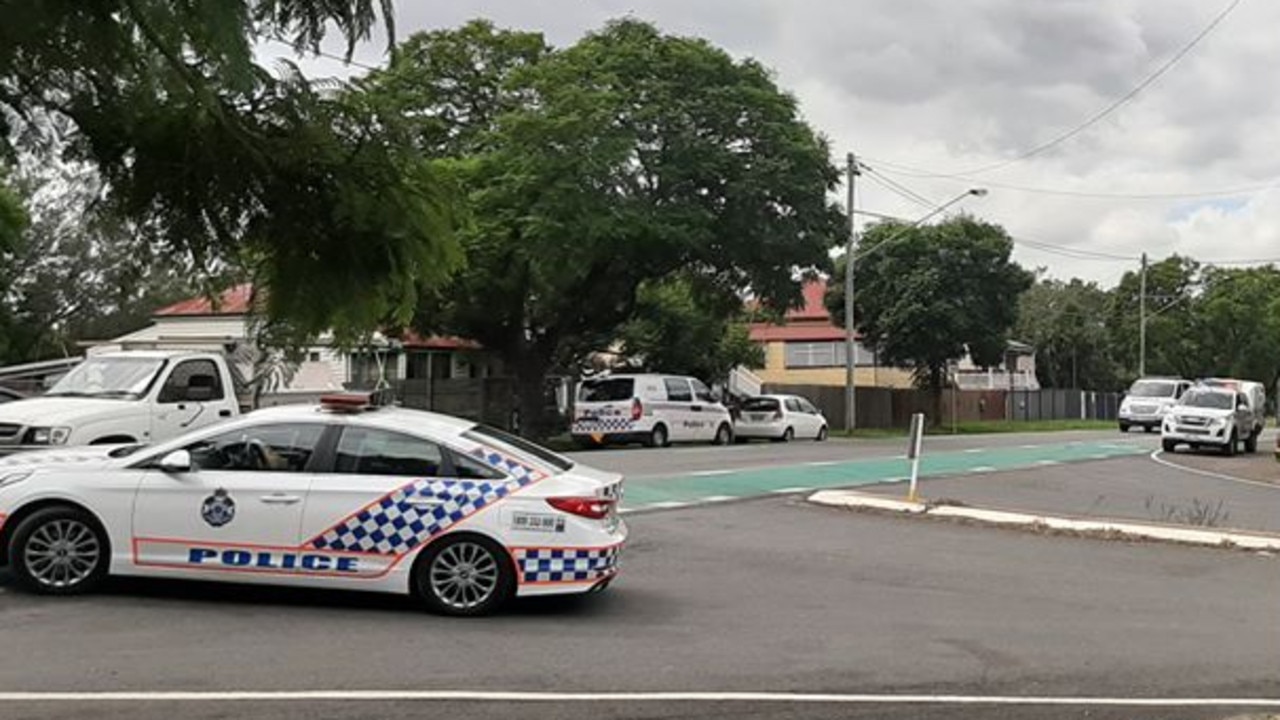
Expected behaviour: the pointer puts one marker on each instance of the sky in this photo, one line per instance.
(924, 88)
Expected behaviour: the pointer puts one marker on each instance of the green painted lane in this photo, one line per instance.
(680, 490)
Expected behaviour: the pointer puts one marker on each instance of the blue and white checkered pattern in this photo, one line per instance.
(566, 564)
(400, 521)
(608, 424)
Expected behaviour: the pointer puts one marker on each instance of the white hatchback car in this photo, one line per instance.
(343, 495)
(780, 417)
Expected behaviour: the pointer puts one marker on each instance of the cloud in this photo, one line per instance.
(956, 86)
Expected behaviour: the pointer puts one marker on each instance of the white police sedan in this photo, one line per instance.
(345, 494)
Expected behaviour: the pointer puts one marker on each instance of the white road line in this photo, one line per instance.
(983, 469)
(1047, 463)
(784, 491)
(976, 450)
(822, 463)
(717, 498)
(667, 504)
(709, 473)
(1155, 456)
(1024, 447)
(605, 697)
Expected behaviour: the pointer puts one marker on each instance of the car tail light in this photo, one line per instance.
(637, 409)
(588, 507)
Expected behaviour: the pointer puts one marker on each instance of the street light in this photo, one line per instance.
(851, 255)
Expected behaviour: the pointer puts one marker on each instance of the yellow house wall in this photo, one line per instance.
(776, 371)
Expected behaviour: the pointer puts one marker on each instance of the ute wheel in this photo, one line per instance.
(466, 575)
(658, 437)
(1168, 445)
(1230, 448)
(1251, 443)
(1148, 429)
(60, 550)
(1124, 428)
(787, 435)
(724, 435)
(822, 433)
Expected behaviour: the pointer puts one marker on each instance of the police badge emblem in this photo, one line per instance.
(218, 509)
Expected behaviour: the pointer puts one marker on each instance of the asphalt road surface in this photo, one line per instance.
(764, 596)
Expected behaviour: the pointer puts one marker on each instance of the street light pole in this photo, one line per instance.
(1142, 320)
(850, 344)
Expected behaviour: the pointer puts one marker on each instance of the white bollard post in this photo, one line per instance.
(913, 453)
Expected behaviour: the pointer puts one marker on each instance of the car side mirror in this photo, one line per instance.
(178, 461)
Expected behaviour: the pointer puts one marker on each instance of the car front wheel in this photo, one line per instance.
(60, 551)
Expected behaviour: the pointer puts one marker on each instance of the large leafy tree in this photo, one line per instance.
(1172, 347)
(219, 161)
(674, 329)
(1237, 323)
(927, 295)
(595, 169)
(1066, 323)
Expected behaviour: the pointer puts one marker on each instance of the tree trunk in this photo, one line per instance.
(532, 420)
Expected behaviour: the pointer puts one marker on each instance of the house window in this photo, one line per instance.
(313, 356)
(824, 354)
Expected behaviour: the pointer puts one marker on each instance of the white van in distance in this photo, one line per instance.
(1147, 401)
(654, 410)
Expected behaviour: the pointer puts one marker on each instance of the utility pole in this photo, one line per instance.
(1142, 319)
(851, 246)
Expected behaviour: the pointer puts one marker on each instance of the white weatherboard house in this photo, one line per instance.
(205, 324)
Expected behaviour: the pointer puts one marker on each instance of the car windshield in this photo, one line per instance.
(1208, 399)
(118, 377)
(761, 404)
(606, 390)
(1149, 389)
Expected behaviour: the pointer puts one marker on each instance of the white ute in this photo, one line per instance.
(123, 398)
(1214, 416)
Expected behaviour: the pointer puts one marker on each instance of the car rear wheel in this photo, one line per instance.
(787, 435)
(465, 576)
(658, 437)
(822, 433)
(1124, 428)
(60, 551)
(1251, 443)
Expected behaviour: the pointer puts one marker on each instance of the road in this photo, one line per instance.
(683, 476)
(770, 595)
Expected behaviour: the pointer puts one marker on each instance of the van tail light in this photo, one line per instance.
(588, 507)
(637, 409)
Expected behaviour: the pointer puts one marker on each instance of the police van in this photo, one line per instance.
(653, 410)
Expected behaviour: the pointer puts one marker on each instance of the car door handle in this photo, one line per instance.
(280, 499)
(424, 502)
(696, 408)
(224, 413)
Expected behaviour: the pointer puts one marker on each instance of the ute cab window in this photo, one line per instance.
(1210, 399)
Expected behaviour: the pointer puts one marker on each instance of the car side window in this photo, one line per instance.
(466, 468)
(793, 405)
(194, 381)
(678, 390)
(266, 448)
(366, 451)
(701, 391)
(807, 407)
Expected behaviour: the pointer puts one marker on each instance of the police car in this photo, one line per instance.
(346, 494)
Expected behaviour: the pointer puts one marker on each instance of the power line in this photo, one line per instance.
(323, 54)
(898, 188)
(908, 171)
(1117, 104)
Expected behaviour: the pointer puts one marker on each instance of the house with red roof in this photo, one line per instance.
(807, 348)
(225, 322)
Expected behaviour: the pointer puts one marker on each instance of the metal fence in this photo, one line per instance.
(892, 408)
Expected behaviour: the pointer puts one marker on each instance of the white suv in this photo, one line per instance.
(654, 410)
(1214, 416)
(1148, 400)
